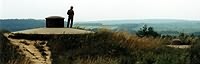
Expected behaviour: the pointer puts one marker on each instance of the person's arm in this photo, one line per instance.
(72, 12)
(68, 12)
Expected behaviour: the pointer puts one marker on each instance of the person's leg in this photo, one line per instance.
(71, 23)
(68, 22)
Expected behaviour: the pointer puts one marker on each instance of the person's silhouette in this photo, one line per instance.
(70, 14)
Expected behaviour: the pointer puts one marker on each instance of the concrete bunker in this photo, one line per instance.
(55, 22)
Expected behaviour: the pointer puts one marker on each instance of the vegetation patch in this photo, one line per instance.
(108, 47)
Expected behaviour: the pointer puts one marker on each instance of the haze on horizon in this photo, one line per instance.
(102, 9)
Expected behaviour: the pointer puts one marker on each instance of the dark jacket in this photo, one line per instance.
(70, 13)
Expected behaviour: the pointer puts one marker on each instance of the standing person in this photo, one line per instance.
(70, 14)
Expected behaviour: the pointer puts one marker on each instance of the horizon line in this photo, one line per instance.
(105, 19)
(102, 19)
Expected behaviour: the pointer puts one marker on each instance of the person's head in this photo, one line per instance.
(71, 7)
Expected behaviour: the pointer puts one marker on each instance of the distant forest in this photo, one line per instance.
(171, 27)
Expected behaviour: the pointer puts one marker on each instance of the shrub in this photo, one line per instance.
(194, 53)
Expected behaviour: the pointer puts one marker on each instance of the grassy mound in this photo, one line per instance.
(105, 47)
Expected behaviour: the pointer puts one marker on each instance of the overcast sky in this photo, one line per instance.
(1, 8)
(102, 9)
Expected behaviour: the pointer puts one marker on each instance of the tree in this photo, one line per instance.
(147, 31)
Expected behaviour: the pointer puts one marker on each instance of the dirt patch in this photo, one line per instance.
(36, 51)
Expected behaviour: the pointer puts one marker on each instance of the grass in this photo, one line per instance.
(107, 47)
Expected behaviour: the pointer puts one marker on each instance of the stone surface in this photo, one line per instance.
(179, 46)
(53, 31)
(54, 17)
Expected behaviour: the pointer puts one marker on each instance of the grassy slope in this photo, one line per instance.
(105, 47)
(114, 48)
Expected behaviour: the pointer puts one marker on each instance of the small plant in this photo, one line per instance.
(78, 27)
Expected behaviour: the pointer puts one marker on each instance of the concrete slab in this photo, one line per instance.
(180, 46)
(53, 31)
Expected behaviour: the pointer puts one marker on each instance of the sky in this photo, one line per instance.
(87, 10)
(1, 8)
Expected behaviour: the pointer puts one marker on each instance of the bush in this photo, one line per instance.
(194, 53)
